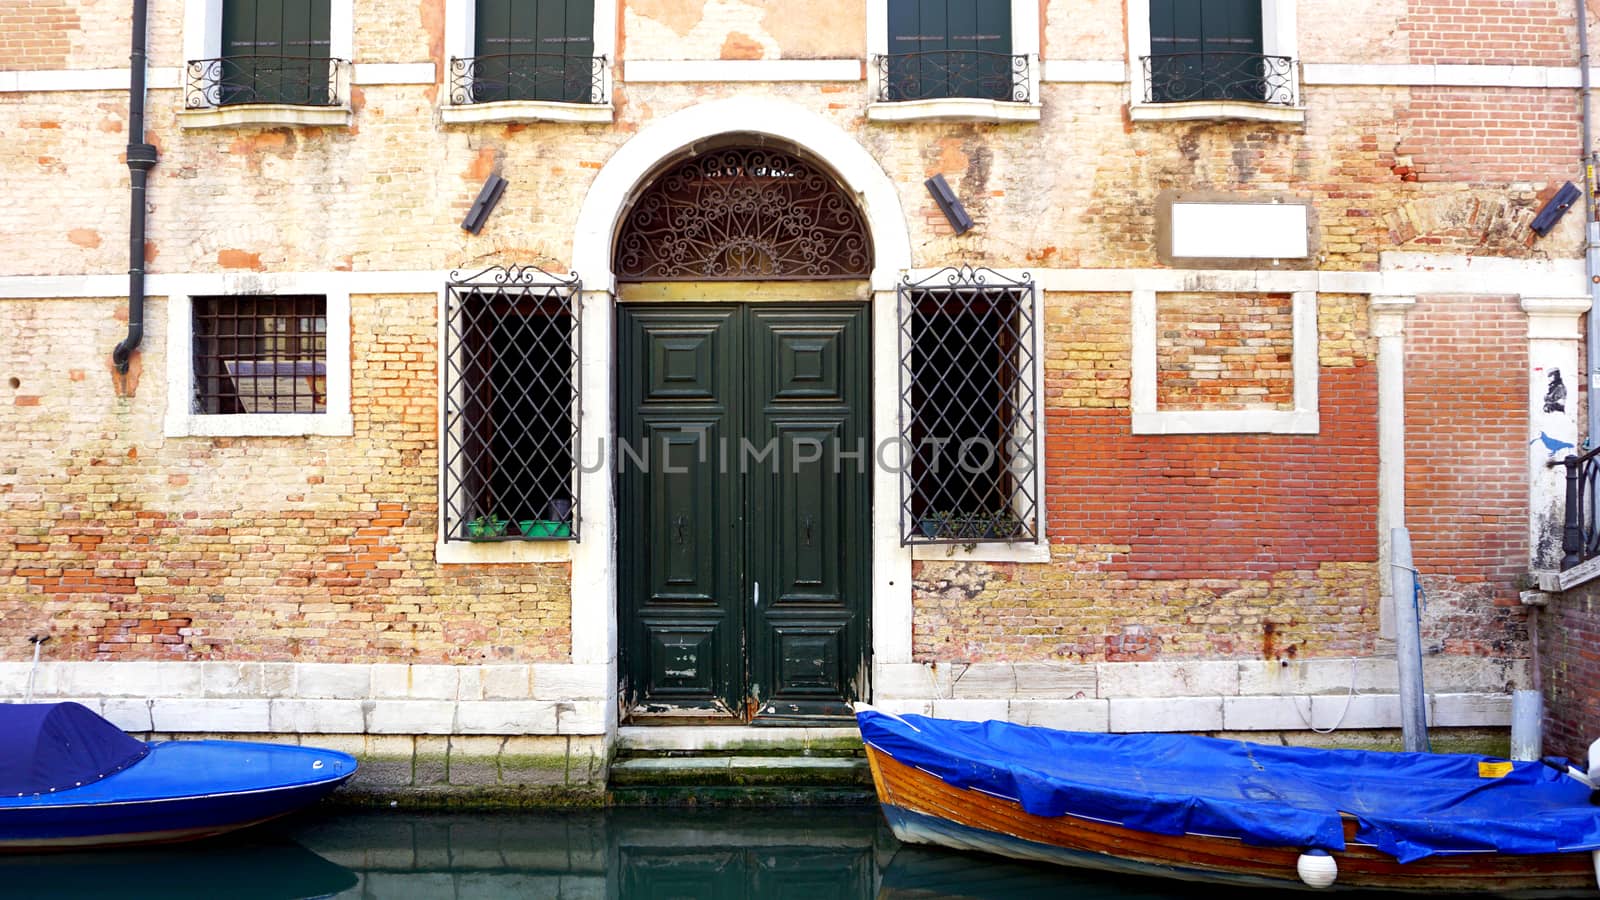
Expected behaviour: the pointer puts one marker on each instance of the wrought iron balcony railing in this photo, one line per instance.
(1252, 77)
(238, 80)
(527, 76)
(946, 74)
(1580, 538)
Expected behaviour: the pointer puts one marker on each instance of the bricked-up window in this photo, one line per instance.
(511, 406)
(1213, 50)
(968, 405)
(951, 48)
(260, 355)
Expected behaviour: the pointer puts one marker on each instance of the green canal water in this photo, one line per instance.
(812, 853)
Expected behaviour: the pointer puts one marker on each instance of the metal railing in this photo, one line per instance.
(240, 80)
(552, 77)
(948, 74)
(1580, 539)
(1252, 77)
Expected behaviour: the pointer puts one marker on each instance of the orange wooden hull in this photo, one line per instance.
(922, 808)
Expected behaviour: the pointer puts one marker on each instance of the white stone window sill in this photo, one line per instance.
(475, 553)
(953, 109)
(266, 114)
(982, 552)
(261, 425)
(1216, 109)
(525, 111)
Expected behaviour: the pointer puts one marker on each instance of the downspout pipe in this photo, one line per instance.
(1591, 230)
(141, 159)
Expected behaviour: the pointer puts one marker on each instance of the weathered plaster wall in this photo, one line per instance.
(744, 29)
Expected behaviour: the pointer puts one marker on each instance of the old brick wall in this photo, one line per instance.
(1569, 633)
(127, 545)
(1250, 546)
(1466, 458)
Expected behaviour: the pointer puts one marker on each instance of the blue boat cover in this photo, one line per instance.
(1410, 805)
(47, 747)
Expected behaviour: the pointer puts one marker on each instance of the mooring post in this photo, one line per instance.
(1408, 643)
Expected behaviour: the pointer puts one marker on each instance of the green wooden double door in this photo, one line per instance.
(744, 547)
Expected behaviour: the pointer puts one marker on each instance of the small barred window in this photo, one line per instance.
(511, 406)
(257, 354)
(968, 409)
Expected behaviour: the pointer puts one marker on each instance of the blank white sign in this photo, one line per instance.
(1240, 231)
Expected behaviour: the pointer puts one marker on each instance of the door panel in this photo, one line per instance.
(744, 572)
(681, 607)
(809, 511)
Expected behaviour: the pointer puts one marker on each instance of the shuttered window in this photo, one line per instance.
(275, 51)
(1207, 50)
(535, 50)
(949, 48)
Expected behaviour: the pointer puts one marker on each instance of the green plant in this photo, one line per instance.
(486, 526)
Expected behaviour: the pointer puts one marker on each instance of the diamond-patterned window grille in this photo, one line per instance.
(512, 404)
(968, 408)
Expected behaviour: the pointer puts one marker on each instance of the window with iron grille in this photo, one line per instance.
(530, 50)
(511, 406)
(968, 405)
(273, 51)
(260, 355)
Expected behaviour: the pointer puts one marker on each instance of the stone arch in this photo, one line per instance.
(667, 138)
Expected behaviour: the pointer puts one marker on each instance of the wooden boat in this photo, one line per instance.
(70, 779)
(1173, 807)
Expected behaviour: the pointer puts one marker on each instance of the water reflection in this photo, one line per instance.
(626, 854)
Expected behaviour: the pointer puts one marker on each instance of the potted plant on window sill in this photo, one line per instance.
(486, 528)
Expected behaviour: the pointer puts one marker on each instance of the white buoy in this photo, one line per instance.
(1317, 869)
(1594, 762)
(1595, 855)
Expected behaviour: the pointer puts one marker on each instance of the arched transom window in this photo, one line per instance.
(743, 214)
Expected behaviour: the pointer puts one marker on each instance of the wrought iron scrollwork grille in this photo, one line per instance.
(968, 408)
(240, 80)
(743, 214)
(1180, 77)
(942, 74)
(512, 406)
(552, 77)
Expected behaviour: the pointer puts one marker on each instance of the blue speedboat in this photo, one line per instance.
(70, 779)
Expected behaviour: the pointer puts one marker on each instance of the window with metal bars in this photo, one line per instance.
(260, 355)
(511, 406)
(968, 404)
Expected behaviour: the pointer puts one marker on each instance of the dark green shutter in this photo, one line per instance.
(275, 51)
(534, 50)
(949, 48)
(1206, 50)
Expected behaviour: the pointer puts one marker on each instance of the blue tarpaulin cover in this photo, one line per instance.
(1410, 805)
(47, 747)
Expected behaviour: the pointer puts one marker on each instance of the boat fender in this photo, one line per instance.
(1595, 856)
(1319, 870)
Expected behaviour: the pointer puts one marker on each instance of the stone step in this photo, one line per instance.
(740, 771)
(637, 742)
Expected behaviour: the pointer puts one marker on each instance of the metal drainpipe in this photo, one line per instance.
(1591, 232)
(141, 159)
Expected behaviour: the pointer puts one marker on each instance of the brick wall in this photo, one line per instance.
(1466, 461)
(36, 34)
(1569, 633)
(1492, 32)
(129, 545)
(1484, 136)
(1224, 351)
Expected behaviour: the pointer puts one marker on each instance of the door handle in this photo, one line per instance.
(758, 593)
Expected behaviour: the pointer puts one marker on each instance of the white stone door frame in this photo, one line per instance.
(594, 559)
